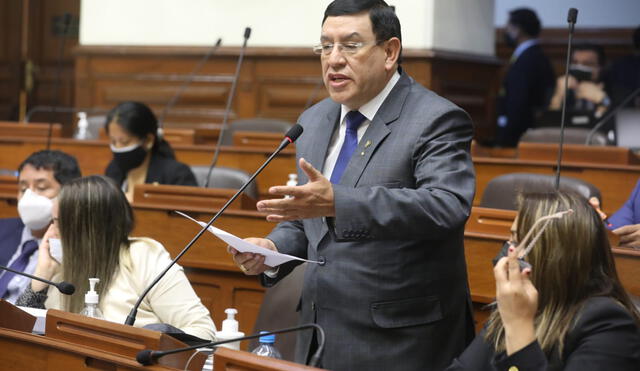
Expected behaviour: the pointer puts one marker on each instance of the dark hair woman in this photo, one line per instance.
(140, 155)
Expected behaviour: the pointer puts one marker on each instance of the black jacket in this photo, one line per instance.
(162, 170)
(526, 89)
(605, 337)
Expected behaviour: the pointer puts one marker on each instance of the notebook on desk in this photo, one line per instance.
(628, 128)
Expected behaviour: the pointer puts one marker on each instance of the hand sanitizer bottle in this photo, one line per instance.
(91, 300)
(230, 330)
(292, 182)
(82, 131)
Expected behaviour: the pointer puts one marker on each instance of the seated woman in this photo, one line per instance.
(93, 220)
(139, 155)
(568, 311)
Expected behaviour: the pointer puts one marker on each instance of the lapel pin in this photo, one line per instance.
(367, 144)
(362, 153)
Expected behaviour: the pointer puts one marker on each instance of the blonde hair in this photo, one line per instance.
(572, 261)
(94, 220)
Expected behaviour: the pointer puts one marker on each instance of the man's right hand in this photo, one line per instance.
(249, 263)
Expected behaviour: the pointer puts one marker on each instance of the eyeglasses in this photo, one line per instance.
(349, 48)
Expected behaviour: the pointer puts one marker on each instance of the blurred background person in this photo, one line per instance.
(624, 74)
(139, 154)
(93, 220)
(528, 84)
(585, 83)
(40, 177)
(569, 310)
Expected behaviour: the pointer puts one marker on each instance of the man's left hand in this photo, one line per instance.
(312, 200)
(629, 235)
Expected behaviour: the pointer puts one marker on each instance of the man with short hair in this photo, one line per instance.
(586, 89)
(387, 184)
(40, 178)
(528, 84)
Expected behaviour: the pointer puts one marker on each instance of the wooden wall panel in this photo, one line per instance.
(274, 82)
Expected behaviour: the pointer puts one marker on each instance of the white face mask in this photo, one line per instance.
(35, 210)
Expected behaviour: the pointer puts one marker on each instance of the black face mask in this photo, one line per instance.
(505, 251)
(129, 159)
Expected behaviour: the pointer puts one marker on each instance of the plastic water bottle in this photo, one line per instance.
(91, 300)
(266, 347)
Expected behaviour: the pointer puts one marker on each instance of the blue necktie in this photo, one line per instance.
(354, 120)
(19, 265)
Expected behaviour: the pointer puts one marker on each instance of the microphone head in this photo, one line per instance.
(66, 288)
(294, 132)
(572, 17)
(145, 357)
(218, 42)
(247, 33)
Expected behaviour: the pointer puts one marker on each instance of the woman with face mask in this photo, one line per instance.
(93, 220)
(139, 154)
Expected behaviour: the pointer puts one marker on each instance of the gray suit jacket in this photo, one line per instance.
(392, 292)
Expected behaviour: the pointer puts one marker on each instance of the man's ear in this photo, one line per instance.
(392, 48)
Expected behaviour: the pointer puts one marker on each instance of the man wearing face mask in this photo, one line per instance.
(528, 83)
(586, 89)
(139, 154)
(40, 178)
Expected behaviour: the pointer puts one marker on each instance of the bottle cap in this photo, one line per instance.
(91, 297)
(267, 339)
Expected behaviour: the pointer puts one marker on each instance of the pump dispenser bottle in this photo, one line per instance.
(91, 300)
(230, 330)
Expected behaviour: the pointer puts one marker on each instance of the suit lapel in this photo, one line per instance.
(376, 132)
(322, 137)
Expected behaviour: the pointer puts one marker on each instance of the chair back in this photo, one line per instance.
(502, 191)
(571, 136)
(225, 177)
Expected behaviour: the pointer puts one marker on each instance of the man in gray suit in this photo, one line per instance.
(387, 185)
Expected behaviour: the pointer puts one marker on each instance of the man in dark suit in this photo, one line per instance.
(387, 185)
(40, 178)
(529, 81)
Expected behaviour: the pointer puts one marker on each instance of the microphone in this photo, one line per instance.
(186, 84)
(66, 22)
(64, 287)
(609, 115)
(290, 137)
(232, 93)
(147, 357)
(572, 18)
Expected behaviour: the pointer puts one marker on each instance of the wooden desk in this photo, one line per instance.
(32, 129)
(94, 156)
(577, 153)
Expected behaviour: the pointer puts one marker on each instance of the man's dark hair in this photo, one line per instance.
(65, 167)
(593, 48)
(527, 20)
(384, 22)
(636, 38)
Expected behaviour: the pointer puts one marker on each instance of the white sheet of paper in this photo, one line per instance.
(272, 258)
